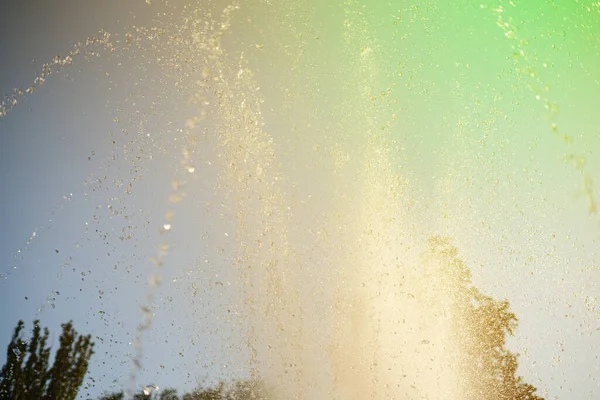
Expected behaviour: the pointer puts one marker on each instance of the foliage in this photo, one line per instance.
(113, 396)
(488, 369)
(169, 394)
(239, 390)
(26, 374)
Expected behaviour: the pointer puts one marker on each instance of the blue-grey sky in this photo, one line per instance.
(88, 163)
(61, 171)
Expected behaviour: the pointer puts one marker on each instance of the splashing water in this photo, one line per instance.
(343, 136)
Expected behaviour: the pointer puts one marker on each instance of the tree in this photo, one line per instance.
(248, 390)
(26, 374)
(238, 390)
(19, 380)
(488, 370)
(113, 396)
(211, 393)
(169, 394)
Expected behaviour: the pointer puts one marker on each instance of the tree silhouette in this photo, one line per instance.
(248, 390)
(212, 393)
(113, 396)
(488, 370)
(169, 394)
(238, 390)
(26, 374)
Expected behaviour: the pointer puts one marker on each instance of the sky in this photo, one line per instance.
(473, 101)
